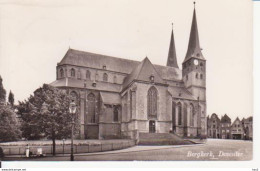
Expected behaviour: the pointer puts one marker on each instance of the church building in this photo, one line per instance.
(121, 98)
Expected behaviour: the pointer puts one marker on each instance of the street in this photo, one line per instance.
(213, 149)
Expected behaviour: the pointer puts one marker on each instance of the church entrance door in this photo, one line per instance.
(151, 126)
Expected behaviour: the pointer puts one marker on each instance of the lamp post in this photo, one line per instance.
(72, 110)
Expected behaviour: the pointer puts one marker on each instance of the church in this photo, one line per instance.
(121, 98)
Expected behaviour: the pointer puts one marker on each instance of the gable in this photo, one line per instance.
(143, 72)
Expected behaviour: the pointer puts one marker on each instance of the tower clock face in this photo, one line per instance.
(196, 62)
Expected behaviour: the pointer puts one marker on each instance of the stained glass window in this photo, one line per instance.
(91, 107)
(61, 73)
(72, 72)
(116, 113)
(152, 101)
(88, 74)
(179, 108)
(105, 77)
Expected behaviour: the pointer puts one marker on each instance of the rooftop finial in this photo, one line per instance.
(194, 2)
(172, 26)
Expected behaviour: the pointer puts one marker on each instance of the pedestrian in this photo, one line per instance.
(1, 153)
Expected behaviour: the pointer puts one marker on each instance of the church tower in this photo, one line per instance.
(194, 72)
(194, 64)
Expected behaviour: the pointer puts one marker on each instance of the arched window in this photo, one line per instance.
(105, 77)
(115, 79)
(79, 74)
(91, 108)
(74, 96)
(152, 102)
(97, 77)
(72, 72)
(173, 116)
(192, 115)
(88, 75)
(116, 108)
(179, 110)
(61, 73)
(197, 76)
(201, 76)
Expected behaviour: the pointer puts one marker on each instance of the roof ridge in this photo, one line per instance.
(103, 55)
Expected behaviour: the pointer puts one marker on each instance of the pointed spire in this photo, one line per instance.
(194, 49)
(172, 59)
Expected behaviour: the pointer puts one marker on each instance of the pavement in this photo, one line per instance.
(126, 150)
(212, 150)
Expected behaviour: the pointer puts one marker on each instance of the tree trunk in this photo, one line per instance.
(53, 146)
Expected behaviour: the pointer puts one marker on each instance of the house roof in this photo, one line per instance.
(181, 93)
(92, 60)
(110, 98)
(225, 119)
(73, 82)
(142, 72)
(237, 119)
(214, 115)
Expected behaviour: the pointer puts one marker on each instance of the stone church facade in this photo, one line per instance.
(120, 98)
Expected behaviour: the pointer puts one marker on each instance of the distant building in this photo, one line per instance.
(225, 127)
(237, 130)
(213, 126)
(248, 127)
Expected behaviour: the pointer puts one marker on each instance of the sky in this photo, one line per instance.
(35, 35)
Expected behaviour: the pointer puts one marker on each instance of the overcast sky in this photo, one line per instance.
(35, 35)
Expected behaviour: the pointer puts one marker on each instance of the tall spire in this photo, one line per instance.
(172, 59)
(194, 49)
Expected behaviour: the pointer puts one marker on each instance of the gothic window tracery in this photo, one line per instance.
(152, 101)
(72, 72)
(61, 73)
(192, 113)
(105, 77)
(179, 110)
(91, 107)
(116, 109)
(88, 74)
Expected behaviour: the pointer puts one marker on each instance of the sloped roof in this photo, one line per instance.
(181, 93)
(225, 119)
(92, 60)
(110, 98)
(237, 119)
(73, 82)
(214, 115)
(143, 71)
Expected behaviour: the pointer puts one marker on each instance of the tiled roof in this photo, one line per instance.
(73, 82)
(225, 119)
(92, 60)
(110, 98)
(181, 93)
(142, 72)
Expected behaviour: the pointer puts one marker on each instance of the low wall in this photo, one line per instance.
(66, 149)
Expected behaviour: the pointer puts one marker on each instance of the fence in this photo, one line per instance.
(66, 149)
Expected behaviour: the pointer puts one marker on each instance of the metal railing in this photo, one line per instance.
(65, 149)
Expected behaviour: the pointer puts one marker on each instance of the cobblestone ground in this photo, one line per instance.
(213, 149)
